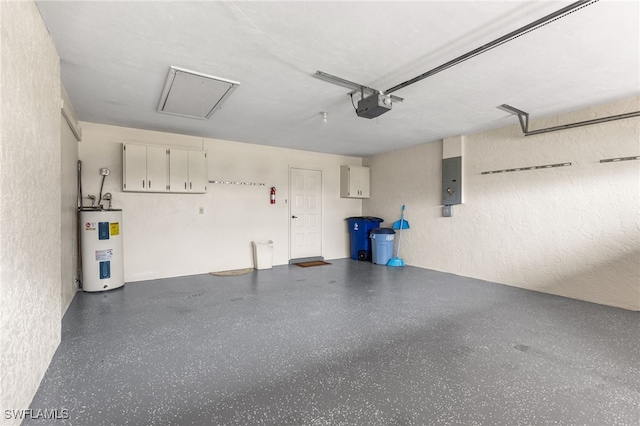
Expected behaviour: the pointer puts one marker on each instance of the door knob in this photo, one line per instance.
(294, 217)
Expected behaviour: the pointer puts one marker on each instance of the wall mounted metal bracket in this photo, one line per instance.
(519, 169)
(615, 160)
(524, 121)
(522, 116)
(357, 88)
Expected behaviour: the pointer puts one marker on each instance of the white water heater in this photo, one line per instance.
(101, 241)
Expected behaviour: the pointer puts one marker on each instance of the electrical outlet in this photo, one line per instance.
(201, 210)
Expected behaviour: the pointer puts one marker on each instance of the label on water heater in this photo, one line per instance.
(105, 270)
(90, 226)
(115, 229)
(103, 230)
(102, 255)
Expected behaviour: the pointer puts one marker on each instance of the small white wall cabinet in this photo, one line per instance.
(160, 169)
(354, 182)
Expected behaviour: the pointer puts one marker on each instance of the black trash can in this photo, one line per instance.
(359, 228)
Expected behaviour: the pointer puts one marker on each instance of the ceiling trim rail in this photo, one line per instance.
(497, 42)
(524, 121)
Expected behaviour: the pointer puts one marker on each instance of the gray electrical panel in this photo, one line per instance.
(452, 181)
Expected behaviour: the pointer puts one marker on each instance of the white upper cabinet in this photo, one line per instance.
(178, 170)
(134, 170)
(354, 182)
(197, 171)
(160, 169)
(157, 172)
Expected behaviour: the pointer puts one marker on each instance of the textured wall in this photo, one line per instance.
(572, 231)
(164, 235)
(29, 204)
(69, 201)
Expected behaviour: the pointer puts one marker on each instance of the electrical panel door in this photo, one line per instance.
(452, 181)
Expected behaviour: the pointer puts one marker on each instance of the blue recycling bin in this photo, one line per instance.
(382, 245)
(359, 228)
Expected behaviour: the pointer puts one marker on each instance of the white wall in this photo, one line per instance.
(69, 202)
(30, 307)
(164, 235)
(572, 231)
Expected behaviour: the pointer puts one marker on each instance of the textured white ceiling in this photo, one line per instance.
(115, 57)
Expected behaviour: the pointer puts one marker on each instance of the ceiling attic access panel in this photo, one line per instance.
(192, 94)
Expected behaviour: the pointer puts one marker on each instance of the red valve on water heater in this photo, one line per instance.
(273, 195)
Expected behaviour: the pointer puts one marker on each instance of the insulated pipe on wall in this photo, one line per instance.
(79, 184)
(79, 227)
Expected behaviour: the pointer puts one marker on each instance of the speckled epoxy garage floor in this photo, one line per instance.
(351, 343)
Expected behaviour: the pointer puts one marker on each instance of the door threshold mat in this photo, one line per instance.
(314, 263)
(232, 273)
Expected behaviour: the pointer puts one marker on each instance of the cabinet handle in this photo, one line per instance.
(143, 183)
(185, 185)
(149, 184)
(190, 186)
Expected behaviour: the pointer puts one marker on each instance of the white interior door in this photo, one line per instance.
(306, 213)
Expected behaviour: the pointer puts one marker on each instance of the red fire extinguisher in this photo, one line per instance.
(273, 195)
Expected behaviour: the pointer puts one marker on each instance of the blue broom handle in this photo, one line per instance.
(401, 226)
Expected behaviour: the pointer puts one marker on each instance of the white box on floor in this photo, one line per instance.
(263, 254)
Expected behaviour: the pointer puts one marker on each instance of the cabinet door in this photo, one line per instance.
(354, 182)
(197, 171)
(360, 177)
(178, 170)
(344, 182)
(156, 169)
(135, 168)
